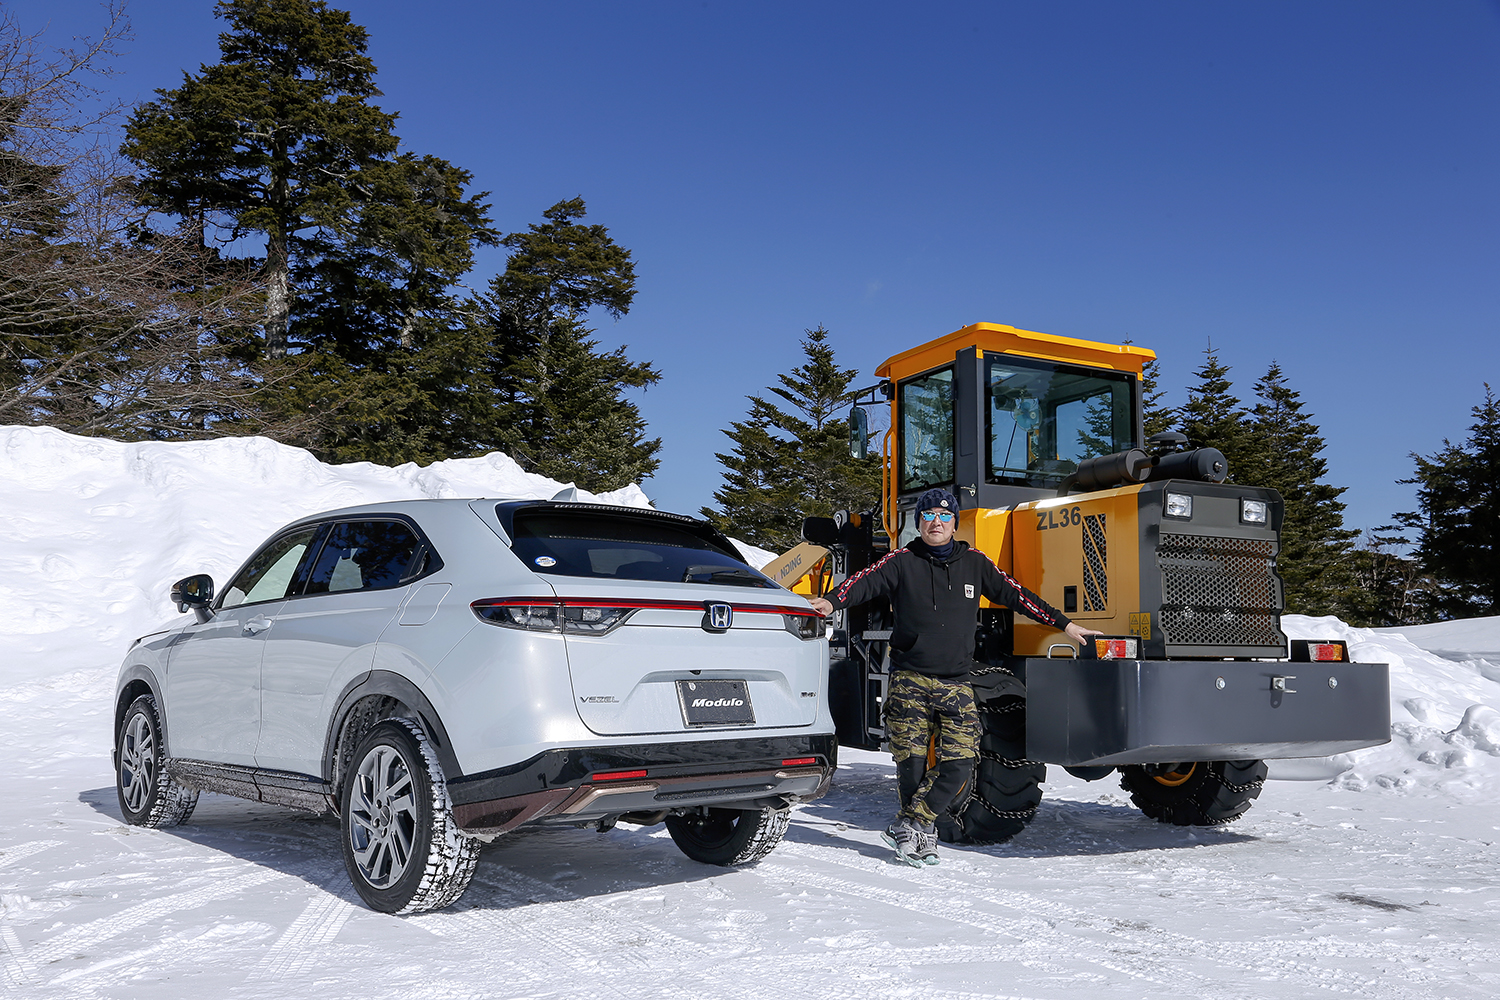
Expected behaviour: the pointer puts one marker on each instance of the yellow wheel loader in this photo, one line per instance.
(1193, 684)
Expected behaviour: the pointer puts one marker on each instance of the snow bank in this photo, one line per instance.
(95, 531)
(1445, 730)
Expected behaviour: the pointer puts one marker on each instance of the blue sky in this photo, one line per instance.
(1313, 183)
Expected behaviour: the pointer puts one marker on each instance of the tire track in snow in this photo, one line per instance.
(297, 949)
(20, 971)
(1032, 933)
(21, 851)
(546, 921)
(1158, 943)
(1026, 931)
(76, 939)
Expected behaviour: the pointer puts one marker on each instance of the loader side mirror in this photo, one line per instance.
(859, 433)
(822, 531)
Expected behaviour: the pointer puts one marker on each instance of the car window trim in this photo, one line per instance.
(424, 544)
(293, 529)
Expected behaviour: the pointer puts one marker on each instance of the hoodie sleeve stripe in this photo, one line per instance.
(1022, 598)
(843, 592)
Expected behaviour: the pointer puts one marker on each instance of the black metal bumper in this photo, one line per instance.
(581, 784)
(1114, 712)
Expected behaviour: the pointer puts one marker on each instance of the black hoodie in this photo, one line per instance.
(937, 604)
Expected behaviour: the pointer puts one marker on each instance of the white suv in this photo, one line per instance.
(439, 672)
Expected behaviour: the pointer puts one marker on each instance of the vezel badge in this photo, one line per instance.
(969, 591)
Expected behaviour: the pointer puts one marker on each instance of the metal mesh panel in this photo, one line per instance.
(1219, 591)
(1095, 561)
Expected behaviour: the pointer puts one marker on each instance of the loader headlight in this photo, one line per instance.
(1253, 511)
(1179, 505)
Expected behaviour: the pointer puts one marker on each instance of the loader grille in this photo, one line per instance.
(1219, 591)
(1095, 564)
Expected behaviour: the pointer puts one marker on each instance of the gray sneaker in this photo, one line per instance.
(905, 838)
(927, 841)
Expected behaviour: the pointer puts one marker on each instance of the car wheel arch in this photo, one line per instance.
(373, 698)
(132, 684)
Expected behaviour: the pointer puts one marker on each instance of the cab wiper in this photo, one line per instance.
(727, 574)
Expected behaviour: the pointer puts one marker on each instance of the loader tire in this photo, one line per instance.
(1003, 795)
(1201, 793)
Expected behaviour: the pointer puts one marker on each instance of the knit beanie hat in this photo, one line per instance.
(937, 499)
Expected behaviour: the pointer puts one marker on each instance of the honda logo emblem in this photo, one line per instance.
(717, 617)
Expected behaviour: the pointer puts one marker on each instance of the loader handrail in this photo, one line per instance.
(888, 486)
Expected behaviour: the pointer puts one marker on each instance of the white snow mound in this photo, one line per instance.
(96, 531)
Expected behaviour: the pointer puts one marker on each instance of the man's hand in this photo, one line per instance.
(821, 606)
(1076, 632)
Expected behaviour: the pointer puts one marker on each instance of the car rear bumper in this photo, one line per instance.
(583, 784)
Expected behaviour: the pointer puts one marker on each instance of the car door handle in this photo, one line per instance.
(255, 625)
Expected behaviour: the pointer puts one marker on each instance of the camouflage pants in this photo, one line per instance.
(916, 708)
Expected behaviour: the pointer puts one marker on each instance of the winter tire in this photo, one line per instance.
(148, 794)
(403, 850)
(1201, 793)
(729, 836)
(1006, 789)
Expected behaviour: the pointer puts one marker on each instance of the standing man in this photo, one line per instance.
(934, 585)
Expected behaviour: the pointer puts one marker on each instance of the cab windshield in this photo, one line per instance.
(1044, 418)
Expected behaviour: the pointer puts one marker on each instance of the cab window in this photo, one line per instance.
(1045, 418)
(926, 406)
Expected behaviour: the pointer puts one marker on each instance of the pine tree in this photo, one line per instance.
(1213, 418)
(793, 462)
(1315, 546)
(1458, 519)
(556, 401)
(281, 140)
(387, 356)
(1158, 417)
(270, 140)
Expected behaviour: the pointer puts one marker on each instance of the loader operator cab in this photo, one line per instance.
(1000, 416)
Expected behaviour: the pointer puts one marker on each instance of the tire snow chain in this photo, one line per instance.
(1257, 783)
(1023, 814)
(1006, 761)
(1015, 705)
(991, 670)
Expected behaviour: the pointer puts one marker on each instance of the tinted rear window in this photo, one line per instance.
(625, 548)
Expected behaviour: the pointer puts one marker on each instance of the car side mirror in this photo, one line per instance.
(194, 593)
(822, 531)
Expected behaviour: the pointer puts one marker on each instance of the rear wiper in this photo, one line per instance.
(717, 572)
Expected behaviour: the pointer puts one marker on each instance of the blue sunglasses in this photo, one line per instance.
(937, 515)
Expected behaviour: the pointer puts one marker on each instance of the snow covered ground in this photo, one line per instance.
(1375, 875)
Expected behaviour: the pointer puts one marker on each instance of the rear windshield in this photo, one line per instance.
(625, 548)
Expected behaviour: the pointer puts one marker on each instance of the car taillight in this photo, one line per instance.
(572, 618)
(618, 775)
(798, 761)
(804, 626)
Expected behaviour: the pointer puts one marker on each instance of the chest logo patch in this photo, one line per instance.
(969, 591)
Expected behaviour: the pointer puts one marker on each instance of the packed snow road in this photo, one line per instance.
(1315, 891)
